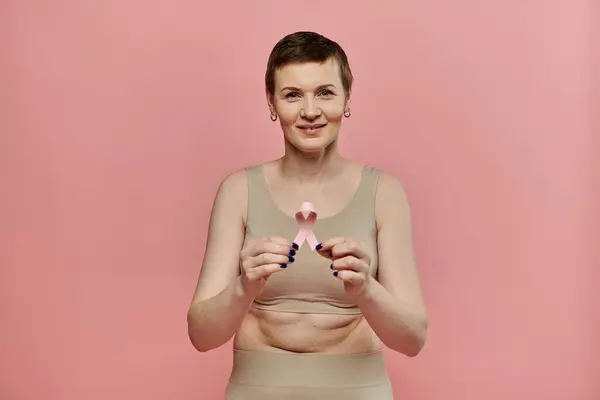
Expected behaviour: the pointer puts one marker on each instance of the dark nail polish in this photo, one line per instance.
(331, 266)
(295, 246)
(292, 252)
(335, 273)
(291, 259)
(283, 265)
(319, 246)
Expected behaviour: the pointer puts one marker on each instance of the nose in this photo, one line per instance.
(310, 110)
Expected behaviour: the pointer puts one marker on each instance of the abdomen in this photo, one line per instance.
(263, 330)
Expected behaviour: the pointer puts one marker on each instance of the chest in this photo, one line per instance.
(328, 200)
(310, 278)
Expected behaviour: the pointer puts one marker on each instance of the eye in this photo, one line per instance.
(326, 93)
(292, 95)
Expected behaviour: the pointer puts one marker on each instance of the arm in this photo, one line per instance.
(394, 305)
(219, 303)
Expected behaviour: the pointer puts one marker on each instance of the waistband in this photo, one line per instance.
(265, 368)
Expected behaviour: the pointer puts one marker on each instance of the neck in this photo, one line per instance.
(306, 167)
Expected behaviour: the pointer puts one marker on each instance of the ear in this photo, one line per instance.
(348, 101)
(269, 97)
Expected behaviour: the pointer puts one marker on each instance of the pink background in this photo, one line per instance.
(119, 119)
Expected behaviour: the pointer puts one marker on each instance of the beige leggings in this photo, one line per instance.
(284, 376)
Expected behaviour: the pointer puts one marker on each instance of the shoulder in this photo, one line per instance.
(391, 199)
(233, 189)
(235, 183)
(389, 187)
(232, 194)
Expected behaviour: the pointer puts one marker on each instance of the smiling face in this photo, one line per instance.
(310, 101)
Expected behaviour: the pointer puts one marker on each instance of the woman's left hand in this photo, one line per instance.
(350, 263)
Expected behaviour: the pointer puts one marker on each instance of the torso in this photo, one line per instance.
(263, 330)
(336, 326)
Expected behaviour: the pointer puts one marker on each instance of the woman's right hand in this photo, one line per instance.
(262, 257)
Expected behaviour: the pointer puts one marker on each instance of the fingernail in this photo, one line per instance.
(283, 265)
(292, 252)
(335, 273)
(295, 246)
(319, 246)
(291, 259)
(331, 266)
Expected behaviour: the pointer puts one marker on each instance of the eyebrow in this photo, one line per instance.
(320, 87)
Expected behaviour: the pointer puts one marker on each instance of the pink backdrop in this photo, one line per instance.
(119, 119)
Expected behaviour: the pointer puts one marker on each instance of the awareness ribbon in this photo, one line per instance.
(306, 223)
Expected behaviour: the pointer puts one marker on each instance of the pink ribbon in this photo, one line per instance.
(306, 223)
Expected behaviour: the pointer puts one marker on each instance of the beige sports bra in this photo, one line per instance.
(308, 284)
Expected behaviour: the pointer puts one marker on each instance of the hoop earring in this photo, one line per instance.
(273, 117)
(347, 113)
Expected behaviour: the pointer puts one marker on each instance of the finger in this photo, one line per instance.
(271, 247)
(255, 246)
(351, 277)
(334, 241)
(324, 249)
(264, 271)
(266, 258)
(350, 263)
(248, 245)
(279, 240)
(350, 248)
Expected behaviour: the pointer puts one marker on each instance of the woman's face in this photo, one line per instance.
(310, 101)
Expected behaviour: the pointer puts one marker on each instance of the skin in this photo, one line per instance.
(393, 310)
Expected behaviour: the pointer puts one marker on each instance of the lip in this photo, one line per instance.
(311, 129)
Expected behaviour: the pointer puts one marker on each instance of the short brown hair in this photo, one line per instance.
(301, 47)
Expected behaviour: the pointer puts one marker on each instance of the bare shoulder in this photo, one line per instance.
(235, 183)
(390, 185)
(391, 199)
(232, 193)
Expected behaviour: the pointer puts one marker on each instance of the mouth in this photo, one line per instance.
(311, 129)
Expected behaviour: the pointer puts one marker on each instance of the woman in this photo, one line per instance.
(309, 322)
